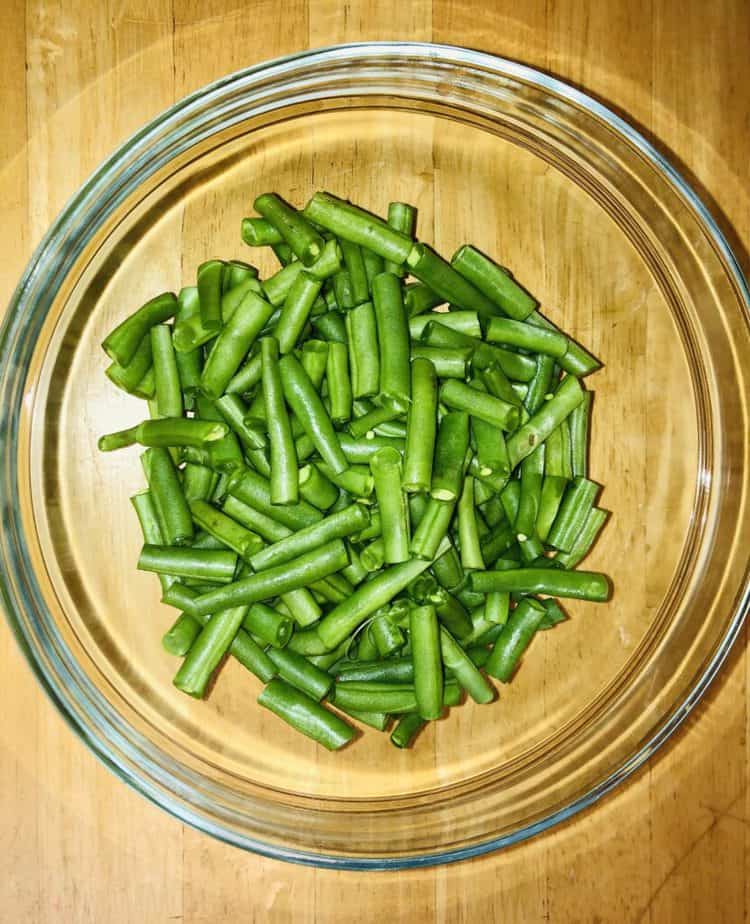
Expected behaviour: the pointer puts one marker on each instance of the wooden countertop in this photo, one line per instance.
(76, 845)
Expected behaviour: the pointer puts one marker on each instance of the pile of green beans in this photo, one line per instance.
(367, 475)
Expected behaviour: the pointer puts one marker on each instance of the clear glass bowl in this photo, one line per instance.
(619, 250)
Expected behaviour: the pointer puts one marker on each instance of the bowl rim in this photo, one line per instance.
(13, 321)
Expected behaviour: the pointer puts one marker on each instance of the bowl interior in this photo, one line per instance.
(470, 185)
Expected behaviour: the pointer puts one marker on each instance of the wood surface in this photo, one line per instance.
(76, 845)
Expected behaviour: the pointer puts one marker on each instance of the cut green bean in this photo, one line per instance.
(514, 365)
(463, 669)
(266, 527)
(471, 552)
(122, 343)
(432, 529)
(573, 513)
(234, 411)
(497, 607)
(419, 298)
(393, 341)
(212, 565)
(302, 606)
(306, 715)
(374, 264)
(314, 359)
(331, 327)
(449, 362)
(383, 697)
(166, 432)
(541, 385)
(421, 427)
(207, 651)
(576, 361)
(479, 404)
(222, 527)
(373, 555)
(364, 362)
(259, 232)
(357, 480)
(527, 337)
(584, 540)
(426, 656)
(431, 269)
(387, 636)
(296, 670)
(166, 376)
(355, 266)
(336, 526)
(284, 474)
(130, 378)
(328, 263)
(350, 223)
(198, 482)
(406, 730)
(401, 217)
(539, 426)
(277, 287)
(305, 241)
(339, 383)
(450, 452)
(466, 322)
(231, 300)
(316, 489)
(209, 293)
(268, 624)
(178, 639)
(171, 507)
(254, 490)
(532, 473)
(308, 407)
(296, 311)
(514, 639)
(299, 572)
(580, 585)
(494, 281)
(359, 450)
(578, 428)
(378, 416)
(233, 343)
(394, 510)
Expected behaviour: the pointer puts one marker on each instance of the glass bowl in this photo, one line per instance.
(620, 252)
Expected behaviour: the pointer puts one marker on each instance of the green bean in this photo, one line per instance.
(305, 241)
(247, 376)
(329, 660)
(387, 636)
(419, 298)
(316, 489)
(376, 720)
(299, 572)
(393, 341)
(189, 368)
(221, 490)
(497, 607)
(356, 480)
(166, 432)
(259, 232)
(367, 423)
(426, 656)
(448, 570)
(573, 513)
(331, 327)
(181, 597)
(332, 589)
(393, 670)
(308, 407)
(236, 272)
(381, 697)
(449, 362)
(584, 540)
(514, 365)
(431, 269)
(551, 495)
(268, 624)
(466, 322)
(198, 482)
(514, 639)
(407, 728)
(421, 427)
(491, 452)
(266, 527)
(329, 261)
(336, 526)
(296, 670)
(296, 310)
(539, 426)
(342, 287)
(212, 565)
(151, 529)
(432, 528)
(450, 451)
(302, 606)
(283, 253)
(497, 541)
(374, 264)
(171, 507)
(231, 300)
(284, 476)
(359, 450)
(314, 359)
(527, 337)
(233, 343)
(353, 224)
(207, 651)
(532, 473)
(394, 511)
(209, 293)
(306, 715)
(166, 376)
(130, 378)
(462, 667)
(497, 383)
(494, 281)
(234, 411)
(355, 267)
(479, 404)
(339, 383)
(401, 217)
(277, 287)
(578, 429)
(254, 490)
(123, 342)
(471, 552)
(372, 556)
(581, 585)
(366, 648)
(576, 361)
(553, 614)
(341, 621)
(204, 540)
(178, 639)
(355, 572)
(364, 362)
(222, 527)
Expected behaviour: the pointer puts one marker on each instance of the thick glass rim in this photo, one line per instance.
(141, 156)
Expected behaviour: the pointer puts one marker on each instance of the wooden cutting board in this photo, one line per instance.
(76, 845)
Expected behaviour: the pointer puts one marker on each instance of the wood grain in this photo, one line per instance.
(76, 845)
